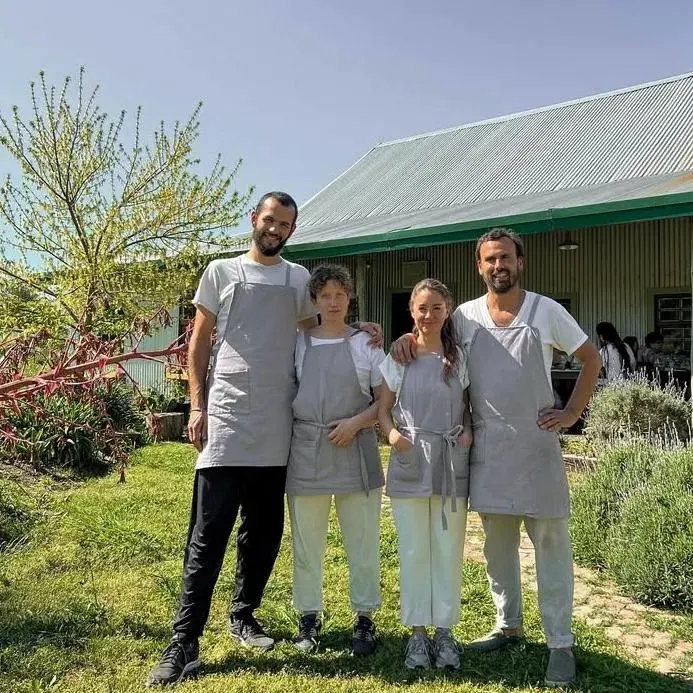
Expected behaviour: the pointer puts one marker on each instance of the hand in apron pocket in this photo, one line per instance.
(406, 465)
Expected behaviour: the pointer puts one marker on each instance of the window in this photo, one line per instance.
(569, 302)
(673, 320)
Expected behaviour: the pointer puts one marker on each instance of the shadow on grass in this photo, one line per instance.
(522, 666)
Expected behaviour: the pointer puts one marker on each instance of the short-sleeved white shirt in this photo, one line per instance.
(557, 328)
(367, 359)
(393, 372)
(612, 362)
(221, 277)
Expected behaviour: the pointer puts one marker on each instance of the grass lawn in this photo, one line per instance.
(86, 605)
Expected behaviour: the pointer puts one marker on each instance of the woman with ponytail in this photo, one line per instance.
(617, 357)
(424, 414)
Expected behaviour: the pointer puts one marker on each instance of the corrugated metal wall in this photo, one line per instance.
(612, 276)
(150, 374)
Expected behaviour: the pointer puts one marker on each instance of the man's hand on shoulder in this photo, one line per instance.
(374, 330)
(403, 349)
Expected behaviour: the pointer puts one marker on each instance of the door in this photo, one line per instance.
(400, 317)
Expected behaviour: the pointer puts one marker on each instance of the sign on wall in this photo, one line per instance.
(413, 272)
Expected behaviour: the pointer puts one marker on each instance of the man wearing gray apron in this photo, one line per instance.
(241, 423)
(516, 468)
(516, 471)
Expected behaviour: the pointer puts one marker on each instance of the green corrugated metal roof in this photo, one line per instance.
(602, 159)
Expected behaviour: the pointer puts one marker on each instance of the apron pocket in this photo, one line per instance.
(405, 467)
(460, 461)
(230, 393)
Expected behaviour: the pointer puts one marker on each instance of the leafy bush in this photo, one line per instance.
(161, 403)
(637, 406)
(596, 502)
(121, 408)
(633, 516)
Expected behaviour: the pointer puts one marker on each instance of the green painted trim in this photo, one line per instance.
(604, 214)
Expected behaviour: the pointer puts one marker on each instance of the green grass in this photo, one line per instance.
(86, 606)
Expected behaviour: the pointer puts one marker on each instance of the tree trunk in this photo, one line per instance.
(165, 426)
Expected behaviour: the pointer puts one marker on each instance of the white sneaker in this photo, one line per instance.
(446, 651)
(418, 652)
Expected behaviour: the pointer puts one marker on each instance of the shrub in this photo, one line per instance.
(637, 406)
(121, 408)
(596, 502)
(634, 517)
(651, 548)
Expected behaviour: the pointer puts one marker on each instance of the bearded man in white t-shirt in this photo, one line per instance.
(516, 468)
(241, 390)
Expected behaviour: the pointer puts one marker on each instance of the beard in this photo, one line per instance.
(502, 282)
(263, 243)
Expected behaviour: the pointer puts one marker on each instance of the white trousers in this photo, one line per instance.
(554, 563)
(430, 573)
(359, 520)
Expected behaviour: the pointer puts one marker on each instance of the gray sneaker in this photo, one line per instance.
(418, 652)
(249, 632)
(561, 669)
(447, 653)
(495, 640)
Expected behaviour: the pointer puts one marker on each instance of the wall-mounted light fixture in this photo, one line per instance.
(568, 244)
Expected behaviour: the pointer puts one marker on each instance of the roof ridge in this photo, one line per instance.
(540, 109)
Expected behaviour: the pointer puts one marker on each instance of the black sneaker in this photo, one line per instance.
(178, 660)
(249, 632)
(363, 641)
(309, 627)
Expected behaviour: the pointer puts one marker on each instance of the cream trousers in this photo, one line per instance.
(554, 562)
(430, 557)
(359, 520)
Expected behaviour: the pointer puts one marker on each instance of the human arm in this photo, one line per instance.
(394, 437)
(199, 351)
(308, 323)
(374, 330)
(345, 430)
(467, 436)
(555, 419)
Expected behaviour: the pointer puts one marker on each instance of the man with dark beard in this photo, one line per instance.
(240, 421)
(516, 468)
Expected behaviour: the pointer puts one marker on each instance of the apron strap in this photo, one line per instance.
(287, 278)
(533, 311)
(241, 271)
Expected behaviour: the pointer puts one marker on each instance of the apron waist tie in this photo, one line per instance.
(450, 438)
(362, 458)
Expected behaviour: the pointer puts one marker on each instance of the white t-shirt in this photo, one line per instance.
(557, 328)
(393, 372)
(221, 277)
(367, 359)
(611, 360)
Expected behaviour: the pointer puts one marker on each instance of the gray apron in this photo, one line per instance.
(429, 413)
(516, 468)
(330, 390)
(250, 384)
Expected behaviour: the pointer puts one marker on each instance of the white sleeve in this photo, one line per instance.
(208, 291)
(392, 373)
(566, 334)
(306, 307)
(376, 357)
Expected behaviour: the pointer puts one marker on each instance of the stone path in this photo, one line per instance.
(599, 604)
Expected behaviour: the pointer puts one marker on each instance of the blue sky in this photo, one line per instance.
(301, 89)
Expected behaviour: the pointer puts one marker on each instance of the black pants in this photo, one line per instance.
(218, 495)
